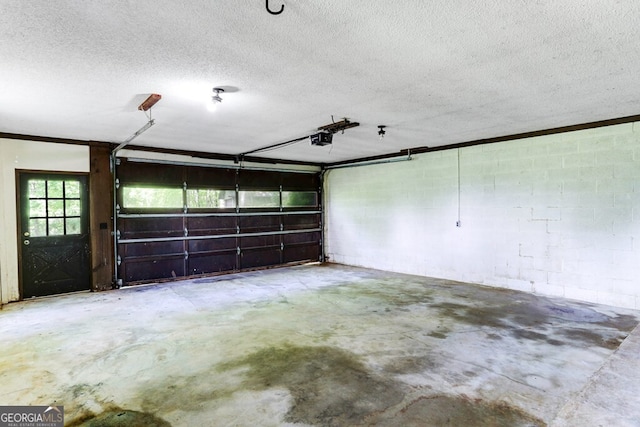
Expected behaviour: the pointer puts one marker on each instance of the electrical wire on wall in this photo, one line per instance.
(458, 222)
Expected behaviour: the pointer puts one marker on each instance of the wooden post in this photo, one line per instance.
(101, 218)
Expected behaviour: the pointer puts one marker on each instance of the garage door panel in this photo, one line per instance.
(224, 179)
(300, 182)
(300, 222)
(212, 263)
(304, 252)
(211, 245)
(183, 220)
(151, 249)
(298, 238)
(256, 224)
(137, 228)
(214, 225)
(259, 179)
(259, 242)
(260, 258)
(154, 269)
(149, 173)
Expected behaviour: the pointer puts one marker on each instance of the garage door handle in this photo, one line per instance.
(26, 242)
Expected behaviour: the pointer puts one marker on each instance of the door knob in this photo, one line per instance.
(26, 242)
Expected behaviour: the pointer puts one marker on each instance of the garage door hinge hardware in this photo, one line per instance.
(117, 183)
(118, 234)
(281, 246)
(186, 232)
(237, 229)
(118, 209)
(238, 250)
(186, 255)
(185, 209)
(184, 186)
(119, 260)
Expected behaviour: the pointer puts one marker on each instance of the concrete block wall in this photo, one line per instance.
(557, 215)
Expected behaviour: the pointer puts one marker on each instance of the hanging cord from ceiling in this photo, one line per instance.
(148, 114)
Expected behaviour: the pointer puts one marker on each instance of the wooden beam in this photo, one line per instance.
(101, 218)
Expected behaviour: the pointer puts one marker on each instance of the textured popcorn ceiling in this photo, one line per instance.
(435, 72)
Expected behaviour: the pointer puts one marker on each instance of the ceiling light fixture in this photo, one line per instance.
(215, 99)
(381, 131)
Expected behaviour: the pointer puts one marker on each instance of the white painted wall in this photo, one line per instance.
(27, 155)
(557, 215)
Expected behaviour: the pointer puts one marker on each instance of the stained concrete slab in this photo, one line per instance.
(321, 345)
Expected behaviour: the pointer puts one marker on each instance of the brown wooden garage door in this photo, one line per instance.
(182, 220)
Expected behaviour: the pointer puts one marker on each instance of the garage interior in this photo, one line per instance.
(321, 214)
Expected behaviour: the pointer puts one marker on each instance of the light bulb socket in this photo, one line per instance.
(216, 98)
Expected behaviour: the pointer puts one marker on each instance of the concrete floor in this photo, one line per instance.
(322, 345)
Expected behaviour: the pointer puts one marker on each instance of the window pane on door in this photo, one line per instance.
(55, 208)
(37, 189)
(37, 227)
(54, 189)
(72, 207)
(72, 189)
(56, 226)
(37, 208)
(73, 226)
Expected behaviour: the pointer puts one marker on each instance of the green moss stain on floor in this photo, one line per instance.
(442, 410)
(117, 417)
(332, 387)
(329, 386)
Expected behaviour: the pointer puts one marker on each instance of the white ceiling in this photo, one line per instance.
(435, 72)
